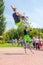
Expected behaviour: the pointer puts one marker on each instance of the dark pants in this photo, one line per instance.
(34, 44)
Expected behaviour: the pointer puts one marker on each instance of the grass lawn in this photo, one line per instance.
(9, 45)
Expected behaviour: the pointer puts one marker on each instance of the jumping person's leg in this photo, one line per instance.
(29, 46)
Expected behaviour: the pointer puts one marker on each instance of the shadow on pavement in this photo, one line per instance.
(15, 54)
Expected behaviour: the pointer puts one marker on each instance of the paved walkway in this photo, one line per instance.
(17, 56)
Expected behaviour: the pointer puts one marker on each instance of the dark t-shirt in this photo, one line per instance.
(25, 32)
(16, 18)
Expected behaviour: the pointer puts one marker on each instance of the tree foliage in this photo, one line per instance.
(2, 18)
(18, 33)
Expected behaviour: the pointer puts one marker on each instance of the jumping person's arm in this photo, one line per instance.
(11, 6)
(21, 14)
(14, 9)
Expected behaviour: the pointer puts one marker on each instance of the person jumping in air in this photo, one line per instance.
(18, 16)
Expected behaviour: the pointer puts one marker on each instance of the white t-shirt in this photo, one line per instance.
(41, 40)
(36, 40)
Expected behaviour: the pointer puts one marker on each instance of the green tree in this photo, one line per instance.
(2, 18)
(12, 33)
(32, 32)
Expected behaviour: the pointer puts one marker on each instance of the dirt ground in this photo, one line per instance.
(17, 56)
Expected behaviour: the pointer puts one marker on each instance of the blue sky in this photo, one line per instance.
(32, 8)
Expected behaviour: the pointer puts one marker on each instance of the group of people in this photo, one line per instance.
(37, 42)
